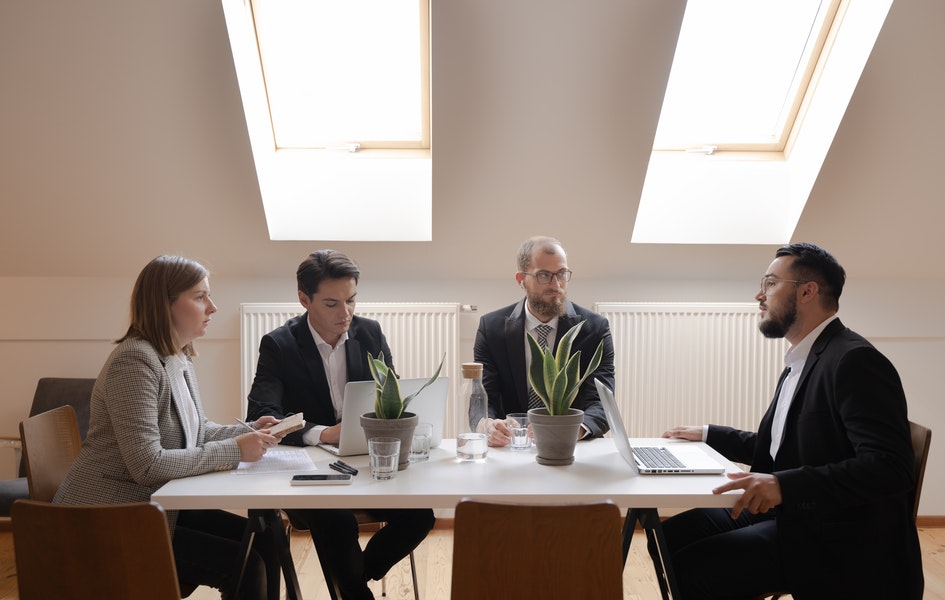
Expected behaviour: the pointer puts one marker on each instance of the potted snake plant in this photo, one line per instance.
(557, 378)
(390, 417)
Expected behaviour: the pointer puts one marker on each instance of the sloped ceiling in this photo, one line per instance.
(123, 137)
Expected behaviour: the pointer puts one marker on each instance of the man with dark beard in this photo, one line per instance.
(826, 510)
(546, 313)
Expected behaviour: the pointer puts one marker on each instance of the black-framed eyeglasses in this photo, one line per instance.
(544, 277)
(770, 281)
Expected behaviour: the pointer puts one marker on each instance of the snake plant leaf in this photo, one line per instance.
(388, 402)
(557, 378)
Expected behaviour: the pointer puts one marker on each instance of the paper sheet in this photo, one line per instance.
(277, 461)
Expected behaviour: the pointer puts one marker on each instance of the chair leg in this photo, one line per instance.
(413, 573)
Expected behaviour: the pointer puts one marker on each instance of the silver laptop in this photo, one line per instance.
(429, 405)
(672, 459)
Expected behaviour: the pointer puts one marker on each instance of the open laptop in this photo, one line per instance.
(671, 459)
(429, 405)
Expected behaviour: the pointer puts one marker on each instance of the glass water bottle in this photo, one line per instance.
(471, 437)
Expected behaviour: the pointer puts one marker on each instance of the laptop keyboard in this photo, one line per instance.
(657, 457)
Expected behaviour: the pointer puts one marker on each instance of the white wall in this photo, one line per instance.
(63, 327)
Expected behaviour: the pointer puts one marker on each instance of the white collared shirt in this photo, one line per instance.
(176, 365)
(335, 362)
(795, 358)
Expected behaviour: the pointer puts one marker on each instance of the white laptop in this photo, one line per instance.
(671, 459)
(429, 405)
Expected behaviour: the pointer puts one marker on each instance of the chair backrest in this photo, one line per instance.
(529, 551)
(73, 552)
(52, 392)
(921, 441)
(51, 441)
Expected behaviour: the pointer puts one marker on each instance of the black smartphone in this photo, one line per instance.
(321, 479)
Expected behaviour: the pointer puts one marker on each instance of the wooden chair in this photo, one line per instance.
(364, 520)
(921, 442)
(51, 392)
(535, 551)
(73, 552)
(51, 441)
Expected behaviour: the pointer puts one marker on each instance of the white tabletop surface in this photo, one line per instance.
(598, 473)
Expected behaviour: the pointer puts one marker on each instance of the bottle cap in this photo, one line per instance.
(472, 370)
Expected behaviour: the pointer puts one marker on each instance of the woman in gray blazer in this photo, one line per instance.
(147, 427)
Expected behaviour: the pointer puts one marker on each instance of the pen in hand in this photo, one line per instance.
(245, 424)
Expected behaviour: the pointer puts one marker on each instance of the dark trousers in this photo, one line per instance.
(335, 535)
(206, 551)
(715, 556)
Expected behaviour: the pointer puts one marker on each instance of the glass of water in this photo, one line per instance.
(518, 426)
(385, 454)
(472, 446)
(422, 440)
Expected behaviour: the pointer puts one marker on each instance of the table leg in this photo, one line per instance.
(269, 522)
(649, 520)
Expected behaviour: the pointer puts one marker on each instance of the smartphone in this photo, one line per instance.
(321, 479)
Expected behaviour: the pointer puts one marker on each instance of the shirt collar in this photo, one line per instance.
(798, 353)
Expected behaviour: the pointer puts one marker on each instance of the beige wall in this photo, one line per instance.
(62, 327)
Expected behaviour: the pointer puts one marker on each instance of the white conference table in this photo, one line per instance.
(598, 473)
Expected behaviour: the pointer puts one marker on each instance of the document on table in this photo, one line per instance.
(278, 460)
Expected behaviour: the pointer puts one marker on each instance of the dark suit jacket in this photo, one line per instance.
(845, 468)
(290, 377)
(500, 347)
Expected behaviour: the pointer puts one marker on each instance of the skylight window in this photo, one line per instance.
(336, 95)
(740, 69)
(343, 71)
(756, 94)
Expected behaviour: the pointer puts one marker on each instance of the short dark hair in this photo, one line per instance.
(321, 265)
(813, 263)
(159, 284)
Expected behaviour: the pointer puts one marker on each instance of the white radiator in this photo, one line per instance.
(419, 334)
(691, 364)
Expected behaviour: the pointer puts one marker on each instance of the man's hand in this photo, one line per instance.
(762, 492)
(331, 435)
(693, 434)
(498, 433)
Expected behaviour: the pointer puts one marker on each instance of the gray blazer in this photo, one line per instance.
(135, 443)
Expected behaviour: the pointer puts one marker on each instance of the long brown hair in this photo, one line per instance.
(160, 283)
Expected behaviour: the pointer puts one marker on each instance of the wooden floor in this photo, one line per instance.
(434, 558)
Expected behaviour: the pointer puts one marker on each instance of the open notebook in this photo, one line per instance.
(429, 405)
(658, 459)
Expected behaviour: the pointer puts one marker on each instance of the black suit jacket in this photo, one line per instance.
(290, 376)
(845, 467)
(500, 347)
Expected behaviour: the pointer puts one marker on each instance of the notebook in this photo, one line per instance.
(429, 405)
(671, 459)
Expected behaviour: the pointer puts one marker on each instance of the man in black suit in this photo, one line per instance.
(826, 510)
(500, 341)
(303, 368)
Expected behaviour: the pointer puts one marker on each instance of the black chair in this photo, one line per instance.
(51, 392)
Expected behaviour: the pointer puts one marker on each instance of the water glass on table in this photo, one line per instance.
(422, 440)
(384, 453)
(518, 426)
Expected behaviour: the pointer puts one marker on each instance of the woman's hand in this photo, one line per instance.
(254, 445)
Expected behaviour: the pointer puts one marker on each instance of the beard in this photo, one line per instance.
(546, 308)
(777, 325)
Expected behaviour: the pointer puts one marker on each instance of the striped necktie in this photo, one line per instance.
(541, 336)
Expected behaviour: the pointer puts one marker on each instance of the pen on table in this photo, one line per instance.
(340, 469)
(346, 467)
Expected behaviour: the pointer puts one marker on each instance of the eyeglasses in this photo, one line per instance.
(544, 277)
(770, 281)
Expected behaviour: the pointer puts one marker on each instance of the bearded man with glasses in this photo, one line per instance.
(826, 509)
(547, 314)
